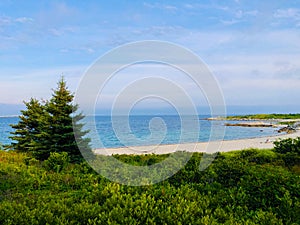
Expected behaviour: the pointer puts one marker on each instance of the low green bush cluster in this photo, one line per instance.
(289, 150)
(57, 161)
(243, 187)
(288, 145)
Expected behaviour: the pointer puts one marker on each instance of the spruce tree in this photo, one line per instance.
(51, 127)
(26, 135)
(62, 119)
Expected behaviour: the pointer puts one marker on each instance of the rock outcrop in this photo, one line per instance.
(259, 124)
(287, 130)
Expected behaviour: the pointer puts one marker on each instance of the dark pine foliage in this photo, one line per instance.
(28, 132)
(49, 127)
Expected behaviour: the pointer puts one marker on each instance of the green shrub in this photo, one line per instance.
(57, 161)
(289, 150)
(288, 145)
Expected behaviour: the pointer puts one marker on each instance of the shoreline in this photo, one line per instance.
(266, 142)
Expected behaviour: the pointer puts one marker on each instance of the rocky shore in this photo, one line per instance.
(253, 124)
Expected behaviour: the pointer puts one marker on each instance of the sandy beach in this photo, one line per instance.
(222, 146)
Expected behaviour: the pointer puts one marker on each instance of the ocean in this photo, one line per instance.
(149, 130)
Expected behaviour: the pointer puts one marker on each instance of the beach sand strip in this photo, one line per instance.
(209, 147)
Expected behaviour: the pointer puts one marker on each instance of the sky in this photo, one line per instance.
(252, 47)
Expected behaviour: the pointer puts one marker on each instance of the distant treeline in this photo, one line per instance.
(266, 116)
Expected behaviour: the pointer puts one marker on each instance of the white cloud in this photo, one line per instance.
(62, 30)
(24, 20)
(290, 15)
(167, 7)
(189, 6)
(55, 32)
(293, 13)
(6, 20)
(252, 12)
(230, 22)
(239, 13)
(198, 6)
(170, 7)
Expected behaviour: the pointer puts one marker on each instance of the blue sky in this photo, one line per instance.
(252, 47)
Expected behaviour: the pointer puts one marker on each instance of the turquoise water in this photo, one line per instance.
(5, 128)
(165, 130)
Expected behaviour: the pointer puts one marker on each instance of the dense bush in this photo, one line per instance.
(57, 161)
(238, 188)
(288, 145)
(289, 150)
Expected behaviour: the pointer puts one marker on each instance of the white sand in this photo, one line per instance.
(222, 146)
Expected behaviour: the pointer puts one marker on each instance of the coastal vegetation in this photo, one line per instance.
(243, 187)
(273, 116)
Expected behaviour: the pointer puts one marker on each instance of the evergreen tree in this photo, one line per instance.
(51, 127)
(62, 119)
(25, 137)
